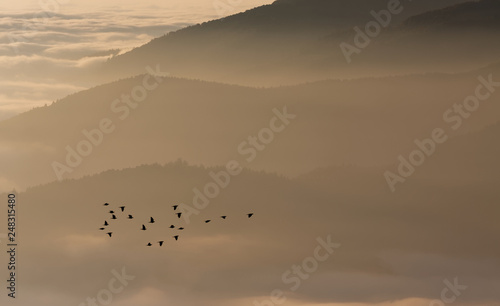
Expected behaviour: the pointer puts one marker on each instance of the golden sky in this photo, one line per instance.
(94, 4)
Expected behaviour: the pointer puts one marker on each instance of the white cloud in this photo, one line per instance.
(40, 66)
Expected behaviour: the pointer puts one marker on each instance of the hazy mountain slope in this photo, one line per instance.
(383, 242)
(484, 13)
(468, 158)
(365, 122)
(453, 39)
(273, 44)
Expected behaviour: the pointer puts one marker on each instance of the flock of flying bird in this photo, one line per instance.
(151, 221)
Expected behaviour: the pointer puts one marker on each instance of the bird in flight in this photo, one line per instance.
(152, 220)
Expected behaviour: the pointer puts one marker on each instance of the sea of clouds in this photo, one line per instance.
(43, 50)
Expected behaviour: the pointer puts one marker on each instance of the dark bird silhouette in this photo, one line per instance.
(152, 220)
(179, 215)
(122, 208)
(181, 228)
(224, 217)
(143, 227)
(106, 204)
(110, 234)
(106, 223)
(250, 215)
(172, 226)
(149, 244)
(102, 228)
(176, 237)
(175, 207)
(111, 212)
(130, 217)
(160, 243)
(114, 217)
(207, 221)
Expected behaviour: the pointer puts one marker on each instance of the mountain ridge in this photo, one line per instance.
(263, 46)
(197, 114)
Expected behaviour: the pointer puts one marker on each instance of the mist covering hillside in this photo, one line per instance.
(297, 41)
(333, 201)
(206, 123)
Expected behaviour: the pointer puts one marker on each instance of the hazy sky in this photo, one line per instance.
(94, 4)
